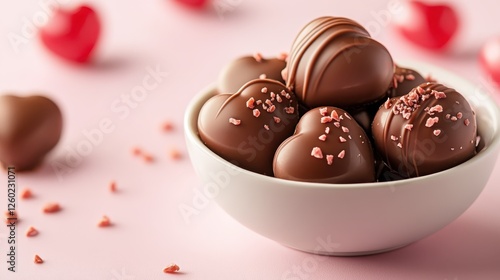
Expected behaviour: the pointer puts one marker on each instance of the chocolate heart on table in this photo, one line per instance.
(73, 34)
(328, 146)
(246, 127)
(248, 68)
(29, 128)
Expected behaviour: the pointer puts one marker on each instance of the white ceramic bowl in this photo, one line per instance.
(351, 219)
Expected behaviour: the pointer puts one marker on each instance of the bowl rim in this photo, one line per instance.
(191, 134)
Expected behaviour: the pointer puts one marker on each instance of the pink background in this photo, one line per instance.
(149, 232)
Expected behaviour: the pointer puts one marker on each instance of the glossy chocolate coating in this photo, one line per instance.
(431, 129)
(404, 81)
(326, 150)
(334, 62)
(29, 128)
(237, 73)
(247, 127)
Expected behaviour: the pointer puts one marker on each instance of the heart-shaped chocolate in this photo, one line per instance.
(335, 62)
(29, 128)
(72, 34)
(247, 127)
(328, 146)
(247, 68)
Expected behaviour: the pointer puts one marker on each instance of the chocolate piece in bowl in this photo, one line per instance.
(335, 62)
(247, 127)
(247, 68)
(430, 129)
(29, 128)
(404, 81)
(328, 146)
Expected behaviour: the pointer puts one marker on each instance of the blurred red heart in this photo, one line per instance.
(489, 57)
(429, 26)
(193, 3)
(72, 34)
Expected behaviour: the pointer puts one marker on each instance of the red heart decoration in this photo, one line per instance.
(429, 26)
(193, 3)
(72, 34)
(489, 58)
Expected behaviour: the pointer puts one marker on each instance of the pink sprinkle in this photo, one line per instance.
(420, 90)
(278, 98)
(256, 113)
(283, 56)
(335, 115)
(342, 139)
(277, 120)
(263, 90)
(262, 76)
(466, 122)
(322, 137)
(409, 126)
(448, 116)
(437, 108)
(264, 106)
(459, 115)
(329, 159)
(327, 130)
(454, 119)
(336, 124)
(410, 77)
(439, 94)
(289, 110)
(269, 102)
(283, 93)
(345, 129)
(250, 103)
(387, 104)
(258, 57)
(323, 111)
(394, 138)
(452, 149)
(425, 97)
(258, 102)
(287, 95)
(284, 74)
(273, 95)
(400, 146)
(266, 127)
(349, 136)
(326, 119)
(316, 152)
(431, 121)
(341, 154)
(437, 132)
(271, 109)
(234, 121)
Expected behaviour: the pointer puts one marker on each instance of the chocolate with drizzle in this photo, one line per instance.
(247, 127)
(328, 147)
(430, 129)
(334, 62)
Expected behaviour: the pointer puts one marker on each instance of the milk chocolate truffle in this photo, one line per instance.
(247, 127)
(328, 147)
(29, 128)
(430, 129)
(404, 81)
(334, 62)
(247, 68)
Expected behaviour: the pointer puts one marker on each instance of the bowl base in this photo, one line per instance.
(353, 254)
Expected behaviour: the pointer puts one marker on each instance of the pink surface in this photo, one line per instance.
(149, 233)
